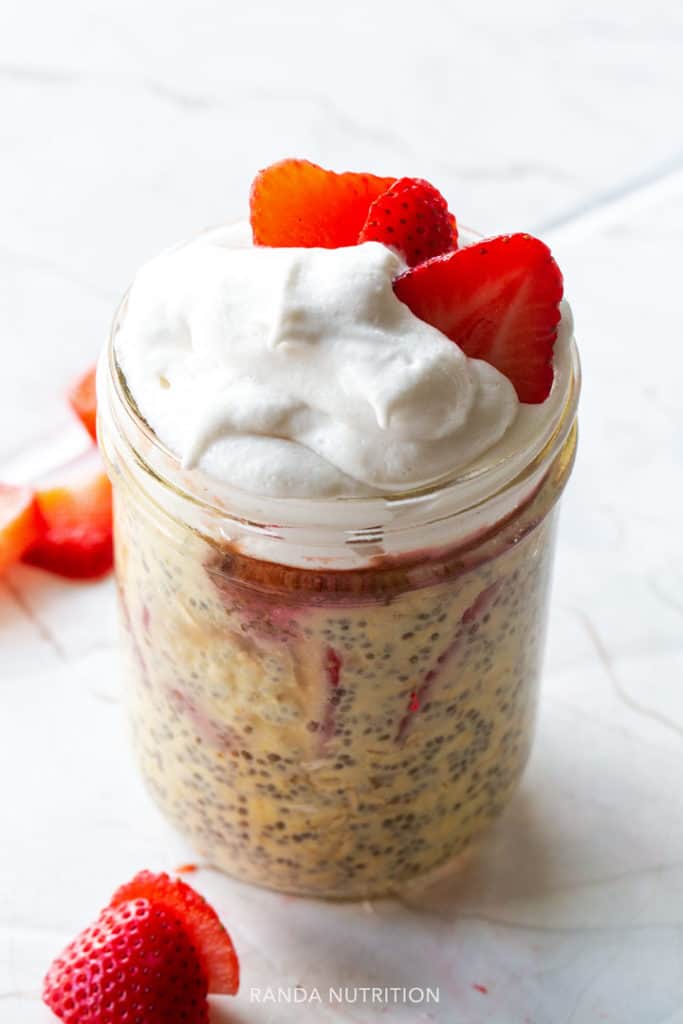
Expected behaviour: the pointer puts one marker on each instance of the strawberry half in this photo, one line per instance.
(83, 401)
(200, 919)
(297, 203)
(20, 523)
(75, 505)
(498, 300)
(136, 963)
(412, 217)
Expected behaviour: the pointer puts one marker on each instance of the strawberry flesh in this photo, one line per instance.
(419, 698)
(137, 962)
(298, 203)
(75, 505)
(20, 523)
(413, 218)
(332, 665)
(499, 301)
(83, 400)
(200, 919)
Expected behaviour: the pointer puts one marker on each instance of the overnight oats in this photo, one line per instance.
(337, 436)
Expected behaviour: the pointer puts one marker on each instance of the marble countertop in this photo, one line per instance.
(126, 126)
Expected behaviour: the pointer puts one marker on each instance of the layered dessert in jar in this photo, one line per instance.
(337, 434)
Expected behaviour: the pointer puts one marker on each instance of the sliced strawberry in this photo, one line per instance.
(136, 963)
(76, 507)
(297, 203)
(20, 523)
(412, 217)
(332, 666)
(420, 698)
(498, 300)
(83, 401)
(200, 919)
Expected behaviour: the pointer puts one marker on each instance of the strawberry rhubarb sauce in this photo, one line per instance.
(337, 443)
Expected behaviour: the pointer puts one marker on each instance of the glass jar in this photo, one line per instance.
(331, 696)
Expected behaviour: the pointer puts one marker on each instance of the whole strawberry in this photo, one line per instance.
(201, 921)
(135, 963)
(151, 957)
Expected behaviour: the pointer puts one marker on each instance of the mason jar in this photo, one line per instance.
(331, 696)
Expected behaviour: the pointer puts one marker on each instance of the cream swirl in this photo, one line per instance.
(298, 371)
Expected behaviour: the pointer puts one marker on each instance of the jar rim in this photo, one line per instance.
(461, 492)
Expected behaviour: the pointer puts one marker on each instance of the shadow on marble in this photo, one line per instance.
(513, 861)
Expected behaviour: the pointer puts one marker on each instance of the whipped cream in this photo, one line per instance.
(297, 372)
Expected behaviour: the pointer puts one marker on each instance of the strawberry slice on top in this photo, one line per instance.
(412, 217)
(297, 203)
(499, 301)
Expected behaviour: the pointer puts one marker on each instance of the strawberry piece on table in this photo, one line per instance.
(75, 505)
(83, 401)
(413, 218)
(201, 921)
(297, 203)
(20, 523)
(137, 962)
(499, 301)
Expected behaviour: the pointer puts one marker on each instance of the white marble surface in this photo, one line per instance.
(125, 126)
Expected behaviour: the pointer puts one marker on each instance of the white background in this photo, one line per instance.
(126, 126)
